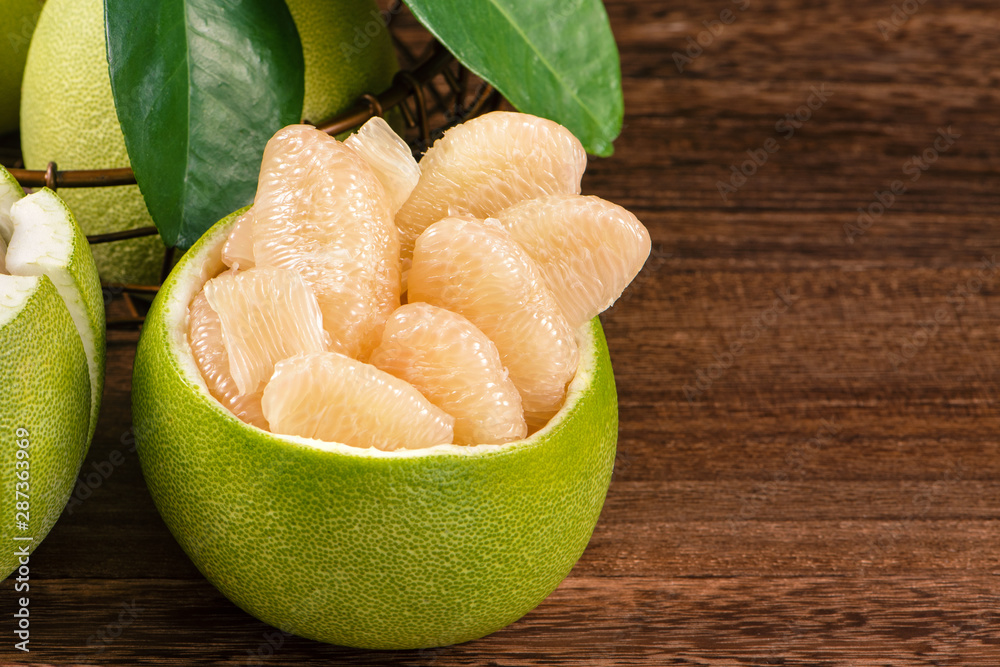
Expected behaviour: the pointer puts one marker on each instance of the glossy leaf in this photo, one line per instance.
(551, 58)
(200, 86)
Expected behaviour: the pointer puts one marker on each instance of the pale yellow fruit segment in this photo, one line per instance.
(267, 315)
(389, 157)
(476, 269)
(205, 337)
(237, 251)
(457, 367)
(321, 211)
(330, 397)
(487, 164)
(587, 248)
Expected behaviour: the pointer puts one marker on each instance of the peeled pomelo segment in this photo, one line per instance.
(587, 248)
(46, 241)
(389, 157)
(237, 252)
(267, 314)
(487, 164)
(320, 210)
(457, 368)
(328, 396)
(477, 270)
(205, 336)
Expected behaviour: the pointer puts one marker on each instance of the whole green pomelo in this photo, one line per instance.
(403, 549)
(68, 114)
(17, 22)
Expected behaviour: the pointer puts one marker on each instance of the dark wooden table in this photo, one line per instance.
(809, 457)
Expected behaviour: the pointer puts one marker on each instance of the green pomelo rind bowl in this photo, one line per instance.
(46, 391)
(401, 550)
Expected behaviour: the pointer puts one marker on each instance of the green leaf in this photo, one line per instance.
(200, 86)
(551, 58)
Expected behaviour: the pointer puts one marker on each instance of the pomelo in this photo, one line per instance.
(51, 361)
(488, 164)
(68, 114)
(17, 22)
(477, 270)
(321, 210)
(361, 547)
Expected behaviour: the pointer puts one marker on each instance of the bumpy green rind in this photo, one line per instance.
(68, 116)
(46, 390)
(17, 22)
(363, 550)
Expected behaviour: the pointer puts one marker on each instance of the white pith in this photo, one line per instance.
(197, 268)
(40, 243)
(10, 192)
(14, 294)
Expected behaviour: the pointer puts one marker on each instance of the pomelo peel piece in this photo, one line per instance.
(51, 357)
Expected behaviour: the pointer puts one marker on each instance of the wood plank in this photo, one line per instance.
(828, 495)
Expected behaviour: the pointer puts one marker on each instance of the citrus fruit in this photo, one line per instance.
(265, 315)
(334, 398)
(51, 359)
(205, 337)
(237, 251)
(17, 22)
(587, 248)
(457, 367)
(488, 164)
(389, 157)
(410, 548)
(68, 114)
(348, 52)
(321, 211)
(478, 271)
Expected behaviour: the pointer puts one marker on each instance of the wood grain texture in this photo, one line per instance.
(828, 494)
